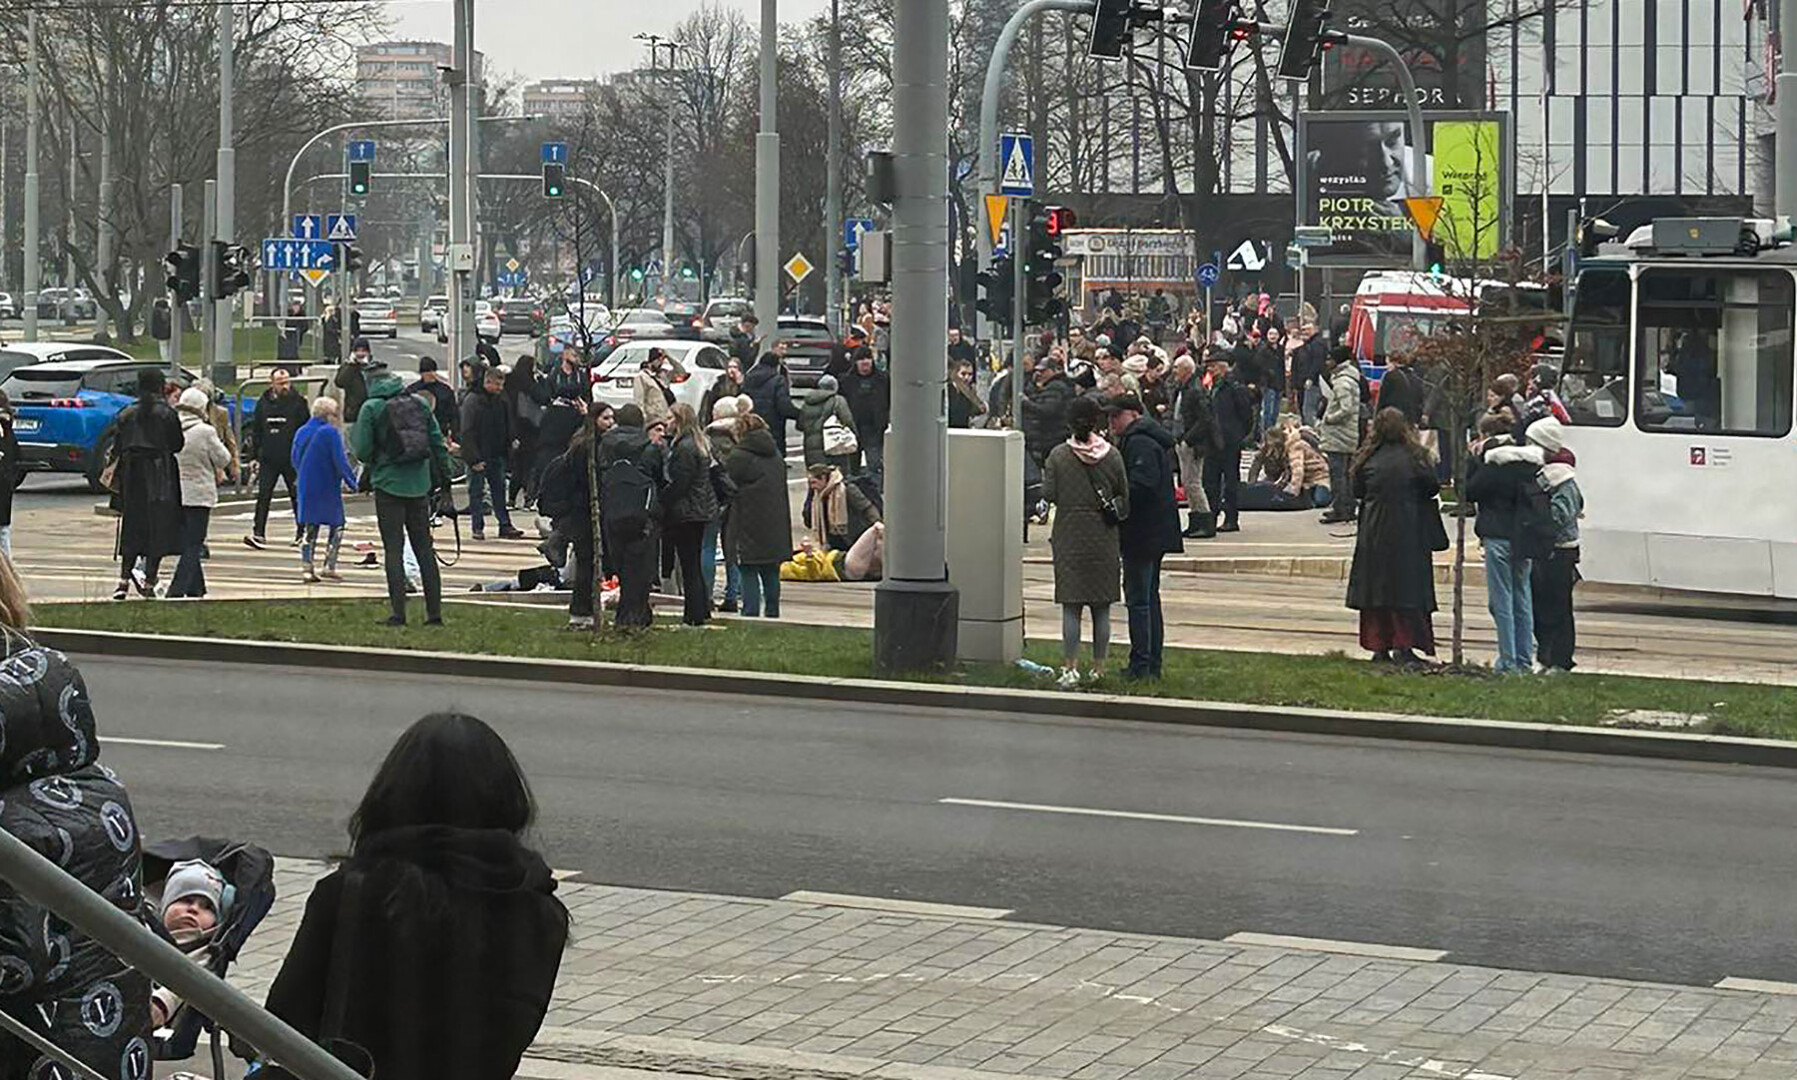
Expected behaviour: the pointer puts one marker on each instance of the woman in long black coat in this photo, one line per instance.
(148, 484)
(758, 533)
(10, 463)
(1392, 583)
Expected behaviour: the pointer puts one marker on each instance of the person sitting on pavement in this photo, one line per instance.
(862, 562)
(1295, 470)
(324, 472)
(836, 511)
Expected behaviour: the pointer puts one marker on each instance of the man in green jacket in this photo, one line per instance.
(402, 487)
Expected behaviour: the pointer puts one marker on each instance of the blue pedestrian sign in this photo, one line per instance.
(511, 279)
(555, 153)
(286, 253)
(852, 229)
(1208, 275)
(1016, 164)
(340, 228)
(308, 226)
(361, 149)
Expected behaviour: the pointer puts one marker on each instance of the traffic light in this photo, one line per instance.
(232, 265)
(352, 259)
(554, 174)
(1213, 27)
(1040, 278)
(1304, 38)
(1110, 29)
(996, 292)
(183, 266)
(845, 262)
(636, 275)
(359, 174)
(687, 273)
(1061, 219)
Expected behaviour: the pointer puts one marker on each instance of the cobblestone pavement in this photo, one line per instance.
(739, 987)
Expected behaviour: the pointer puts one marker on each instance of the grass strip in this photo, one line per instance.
(1325, 682)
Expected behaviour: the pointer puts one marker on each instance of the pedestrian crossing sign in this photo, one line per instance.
(1017, 158)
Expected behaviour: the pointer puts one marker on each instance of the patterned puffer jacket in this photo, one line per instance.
(55, 796)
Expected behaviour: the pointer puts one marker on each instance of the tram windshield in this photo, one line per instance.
(1594, 377)
(1714, 351)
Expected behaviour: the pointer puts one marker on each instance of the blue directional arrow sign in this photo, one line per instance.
(339, 227)
(361, 149)
(308, 226)
(1016, 164)
(852, 229)
(555, 153)
(286, 253)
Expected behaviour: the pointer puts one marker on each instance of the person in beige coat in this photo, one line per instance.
(202, 460)
(654, 386)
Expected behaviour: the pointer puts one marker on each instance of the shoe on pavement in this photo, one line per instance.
(1229, 526)
(509, 533)
(257, 542)
(370, 559)
(435, 620)
(481, 536)
(309, 576)
(123, 592)
(728, 607)
(1069, 679)
(297, 540)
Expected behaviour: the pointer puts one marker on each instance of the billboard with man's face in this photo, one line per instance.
(1355, 172)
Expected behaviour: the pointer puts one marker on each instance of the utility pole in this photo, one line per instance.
(176, 309)
(459, 256)
(222, 357)
(833, 177)
(32, 267)
(1784, 157)
(208, 279)
(916, 608)
(103, 232)
(4, 258)
(68, 225)
(657, 43)
(767, 176)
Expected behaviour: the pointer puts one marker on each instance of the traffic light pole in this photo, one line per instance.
(33, 268)
(208, 271)
(175, 305)
(222, 356)
(461, 228)
(1019, 305)
(988, 145)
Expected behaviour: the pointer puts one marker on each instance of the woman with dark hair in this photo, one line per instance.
(523, 394)
(1392, 583)
(146, 484)
(1086, 480)
(434, 947)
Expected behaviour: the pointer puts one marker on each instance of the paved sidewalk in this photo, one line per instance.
(777, 990)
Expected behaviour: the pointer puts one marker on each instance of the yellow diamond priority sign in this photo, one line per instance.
(513, 265)
(798, 268)
(315, 275)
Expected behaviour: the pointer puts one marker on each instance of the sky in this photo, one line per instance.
(566, 39)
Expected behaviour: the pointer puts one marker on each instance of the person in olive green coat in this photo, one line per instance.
(1080, 476)
(821, 405)
(401, 492)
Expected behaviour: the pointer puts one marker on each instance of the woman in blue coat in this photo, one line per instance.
(324, 471)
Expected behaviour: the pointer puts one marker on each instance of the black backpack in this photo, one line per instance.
(629, 499)
(562, 492)
(409, 423)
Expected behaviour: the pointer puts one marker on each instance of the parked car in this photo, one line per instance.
(614, 378)
(486, 321)
(378, 316)
(632, 324)
(722, 316)
(435, 310)
(519, 315)
(10, 307)
(685, 318)
(810, 344)
(68, 400)
(59, 303)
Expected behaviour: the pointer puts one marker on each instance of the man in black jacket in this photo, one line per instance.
(637, 558)
(769, 386)
(280, 412)
(1502, 481)
(1150, 532)
(1045, 401)
(486, 443)
(869, 394)
(1403, 390)
(1192, 420)
(1234, 403)
(442, 399)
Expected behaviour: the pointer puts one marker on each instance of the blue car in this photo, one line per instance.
(66, 406)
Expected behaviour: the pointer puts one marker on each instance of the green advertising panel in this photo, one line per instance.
(1468, 175)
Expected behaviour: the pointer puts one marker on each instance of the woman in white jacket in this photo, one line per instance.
(203, 459)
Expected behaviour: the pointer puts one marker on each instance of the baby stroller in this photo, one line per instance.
(249, 874)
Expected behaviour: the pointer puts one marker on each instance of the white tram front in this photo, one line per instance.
(1678, 376)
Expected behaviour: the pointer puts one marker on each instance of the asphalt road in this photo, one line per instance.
(1520, 860)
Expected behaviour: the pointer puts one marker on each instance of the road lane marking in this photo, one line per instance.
(895, 905)
(1757, 986)
(171, 744)
(1328, 945)
(563, 875)
(1428, 1066)
(1137, 815)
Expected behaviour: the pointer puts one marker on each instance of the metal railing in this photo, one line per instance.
(48, 885)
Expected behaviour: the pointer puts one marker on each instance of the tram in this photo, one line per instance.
(1678, 377)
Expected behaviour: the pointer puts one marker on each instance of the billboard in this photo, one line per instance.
(1443, 41)
(1354, 174)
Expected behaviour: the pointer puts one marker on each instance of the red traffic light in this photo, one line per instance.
(1060, 219)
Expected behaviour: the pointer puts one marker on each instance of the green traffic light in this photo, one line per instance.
(636, 273)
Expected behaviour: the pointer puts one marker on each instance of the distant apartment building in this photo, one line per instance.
(402, 79)
(558, 98)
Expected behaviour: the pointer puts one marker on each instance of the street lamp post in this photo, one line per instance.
(657, 43)
(33, 270)
(223, 358)
(767, 176)
(833, 176)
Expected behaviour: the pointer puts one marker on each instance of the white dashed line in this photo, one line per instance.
(1135, 815)
(897, 906)
(170, 744)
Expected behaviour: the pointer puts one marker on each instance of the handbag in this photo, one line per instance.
(839, 438)
(1107, 505)
(1433, 530)
(109, 476)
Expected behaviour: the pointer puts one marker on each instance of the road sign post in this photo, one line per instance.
(1019, 214)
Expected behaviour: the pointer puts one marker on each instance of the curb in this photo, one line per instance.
(1322, 567)
(1513, 735)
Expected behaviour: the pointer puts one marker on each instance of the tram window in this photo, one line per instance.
(1594, 379)
(1715, 352)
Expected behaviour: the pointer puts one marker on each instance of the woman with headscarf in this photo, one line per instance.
(523, 395)
(146, 484)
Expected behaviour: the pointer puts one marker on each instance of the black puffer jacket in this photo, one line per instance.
(56, 797)
(1152, 527)
(690, 495)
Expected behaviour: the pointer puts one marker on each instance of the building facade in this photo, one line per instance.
(558, 98)
(403, 80)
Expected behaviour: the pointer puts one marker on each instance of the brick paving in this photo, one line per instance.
(738, 987)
